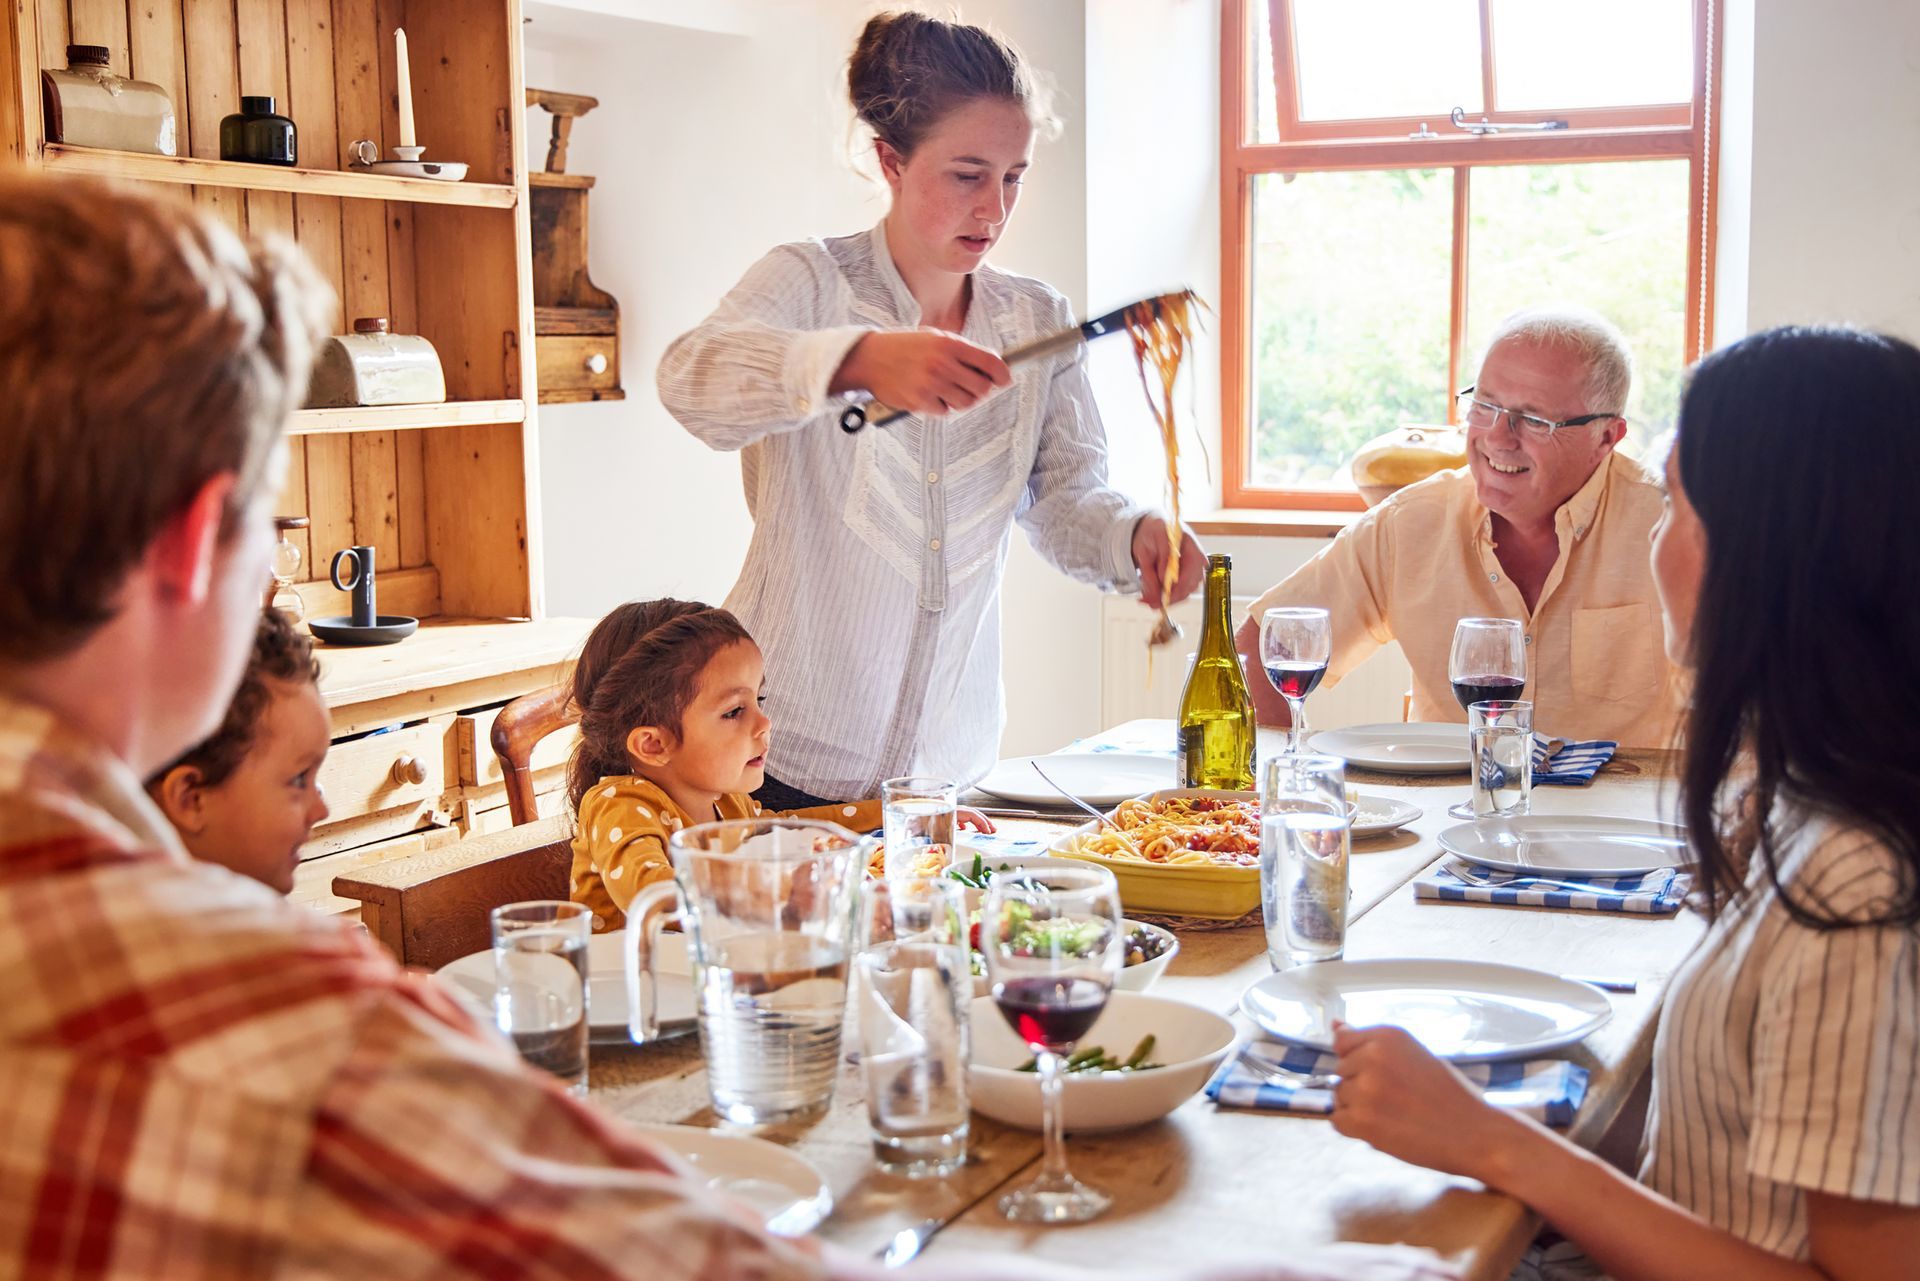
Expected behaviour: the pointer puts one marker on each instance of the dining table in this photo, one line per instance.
(1209, 1182)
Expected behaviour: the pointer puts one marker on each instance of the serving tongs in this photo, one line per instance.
(874, 413)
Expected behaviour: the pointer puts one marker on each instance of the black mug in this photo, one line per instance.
(360, 585)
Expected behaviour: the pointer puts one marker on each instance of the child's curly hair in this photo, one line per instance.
(638, 668)
(280, 653)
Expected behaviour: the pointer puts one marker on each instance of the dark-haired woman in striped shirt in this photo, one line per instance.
(1784, 1135)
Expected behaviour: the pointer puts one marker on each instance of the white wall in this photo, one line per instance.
(1831, 194)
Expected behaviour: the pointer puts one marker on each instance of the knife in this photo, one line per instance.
(905, 1244)
(854, 417)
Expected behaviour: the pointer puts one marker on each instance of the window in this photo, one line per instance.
(1371, 241)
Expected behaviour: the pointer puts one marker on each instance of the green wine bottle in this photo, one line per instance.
(1217, 732)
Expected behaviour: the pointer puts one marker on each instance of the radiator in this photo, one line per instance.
(1130, 689)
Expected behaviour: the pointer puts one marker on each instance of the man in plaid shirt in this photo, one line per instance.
(200, 1079)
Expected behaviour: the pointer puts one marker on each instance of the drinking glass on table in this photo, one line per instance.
(1489, 662)
(1305, 839)
(1500, 743)
(1295, 644)
(540, 984)
(914, 982)
(915, 813)
(1053, 947)
(767, 905)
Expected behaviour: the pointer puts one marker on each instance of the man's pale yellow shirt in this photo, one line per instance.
(1424, 559)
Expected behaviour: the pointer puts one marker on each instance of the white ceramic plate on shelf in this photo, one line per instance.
(1569, 845)
(1420, 747)
(472, 976)
(783, 1188)
(1465, 1011)
(1378, 815)
(1098, 778)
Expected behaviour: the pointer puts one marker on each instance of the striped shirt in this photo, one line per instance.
(873, 578)
(1788, 1058)
(202, 1080)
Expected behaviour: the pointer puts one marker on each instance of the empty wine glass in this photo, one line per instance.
(1295, 644)
(1053, 947)
(1488, 664)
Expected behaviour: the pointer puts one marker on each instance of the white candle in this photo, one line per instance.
(404, 81)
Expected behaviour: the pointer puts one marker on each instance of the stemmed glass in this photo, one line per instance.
(1488, 663)
(1295, 644)
(1053, 947)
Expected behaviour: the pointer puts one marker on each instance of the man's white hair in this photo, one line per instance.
(1589, 335)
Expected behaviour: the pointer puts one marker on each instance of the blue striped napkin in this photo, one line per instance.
(1572, 765)
(1548, 1090)
(1653, 894)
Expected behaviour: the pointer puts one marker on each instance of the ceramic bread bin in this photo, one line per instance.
(373, 367)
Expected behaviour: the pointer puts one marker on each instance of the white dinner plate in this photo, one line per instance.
(1378, 815)
(1568, 845)
(1098, 778)
(784, 1189)
(472, 976)
(1421, 747)
(1466, 1011)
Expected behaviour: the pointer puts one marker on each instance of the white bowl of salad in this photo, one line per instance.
(1149, 951)
(1154, 1054)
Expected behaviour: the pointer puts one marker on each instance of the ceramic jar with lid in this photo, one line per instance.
(87, 105)
(371, 366)
(259, 135)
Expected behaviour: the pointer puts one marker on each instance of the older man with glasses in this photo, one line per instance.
(1547, 524)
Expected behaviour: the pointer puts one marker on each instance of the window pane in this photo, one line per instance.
(1266, 119)
(1622, 53)
(1350, 304)
(1361, 59)
(1612, 237)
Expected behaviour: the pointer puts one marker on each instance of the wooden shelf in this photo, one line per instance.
(452, 413)
(303, 182)
(450, 663)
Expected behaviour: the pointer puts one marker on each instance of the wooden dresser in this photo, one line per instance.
(447, 493)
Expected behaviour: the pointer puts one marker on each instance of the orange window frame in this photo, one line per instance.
(1682, 131)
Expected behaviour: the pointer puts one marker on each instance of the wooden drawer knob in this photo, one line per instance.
(409, 769)
(597, 362)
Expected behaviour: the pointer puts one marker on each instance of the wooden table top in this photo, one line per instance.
(1238, 1184)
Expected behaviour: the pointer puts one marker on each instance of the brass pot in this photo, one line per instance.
(1409, 453)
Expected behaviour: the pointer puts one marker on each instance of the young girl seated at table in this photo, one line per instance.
(248, 797)
(672, 733)
(1783, 1137)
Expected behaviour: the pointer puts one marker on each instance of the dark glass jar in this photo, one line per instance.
(258, 135)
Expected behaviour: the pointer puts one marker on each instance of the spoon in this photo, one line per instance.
(1117, 829)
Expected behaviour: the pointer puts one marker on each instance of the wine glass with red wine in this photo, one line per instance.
(1294, 646)
(1488, 663)
(1053, 947)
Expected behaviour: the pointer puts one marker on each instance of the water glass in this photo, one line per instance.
(1500, 743)
(916, 813)
(913, 982)
(540, 984)
(767, 905)
(1304, 841)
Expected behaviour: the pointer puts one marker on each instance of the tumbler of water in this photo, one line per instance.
(913, 985)
(767, 905)
(1303, 859)
(917, 813)
(1500, 742)
(540, 984)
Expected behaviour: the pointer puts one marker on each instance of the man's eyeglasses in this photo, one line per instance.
(1482, 413)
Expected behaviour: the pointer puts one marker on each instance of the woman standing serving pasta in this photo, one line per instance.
(873, 577)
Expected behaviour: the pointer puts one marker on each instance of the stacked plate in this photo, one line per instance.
(1413, 748)
(1569, 845)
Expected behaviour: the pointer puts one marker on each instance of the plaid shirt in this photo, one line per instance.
(201, 1080)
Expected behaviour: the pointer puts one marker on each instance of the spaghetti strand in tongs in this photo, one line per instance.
(1162, 329)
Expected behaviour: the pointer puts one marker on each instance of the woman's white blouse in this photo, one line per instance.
(1788, 1057)
(873, 579)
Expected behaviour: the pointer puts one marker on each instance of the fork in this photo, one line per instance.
(1477, 876)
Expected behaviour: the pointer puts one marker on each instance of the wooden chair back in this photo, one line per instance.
(433, 908)
(520, 725)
